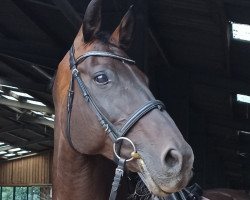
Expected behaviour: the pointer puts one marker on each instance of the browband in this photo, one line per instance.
(73, 61)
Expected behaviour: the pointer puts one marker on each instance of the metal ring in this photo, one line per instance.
(124, 138)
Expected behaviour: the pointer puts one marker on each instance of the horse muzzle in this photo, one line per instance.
(172, 177)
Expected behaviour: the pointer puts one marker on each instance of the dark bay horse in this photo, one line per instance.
(83, 165)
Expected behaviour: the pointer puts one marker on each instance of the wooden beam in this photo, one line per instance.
(41, 71)
(36, 131)
(7, 67)
(26, 144)
(24, 118)
(231, 85)
(69, 12)
(27, 106)
(238, 2)
(42, 4)
(26, 10)
(5, 147)
(159, 48)
(37, 121)
(139, 48)
(219, 15)
(38, 53)
(15, 67)
(238, 125)
(15, 136)
(41, 131)
(10, 128)
(24, 85)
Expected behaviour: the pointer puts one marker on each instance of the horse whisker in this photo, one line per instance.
(141, 192)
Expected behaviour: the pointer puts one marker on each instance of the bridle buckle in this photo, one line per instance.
(74, 71)
(120, 171)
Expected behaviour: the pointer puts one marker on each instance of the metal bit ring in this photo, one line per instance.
(127, 139)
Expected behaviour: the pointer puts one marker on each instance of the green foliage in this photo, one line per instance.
(34, 193)
(20, 193)
(7, 193)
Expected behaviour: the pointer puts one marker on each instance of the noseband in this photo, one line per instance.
(114, 133)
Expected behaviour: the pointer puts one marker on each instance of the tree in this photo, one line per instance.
(7, 193)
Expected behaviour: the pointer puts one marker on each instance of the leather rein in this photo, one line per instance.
(116, 135)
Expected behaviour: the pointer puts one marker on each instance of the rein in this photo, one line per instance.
(116, 135)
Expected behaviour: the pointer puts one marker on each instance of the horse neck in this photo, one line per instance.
(80, 177)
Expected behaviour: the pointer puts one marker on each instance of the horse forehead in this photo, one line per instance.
(106, 47)
(97, 45)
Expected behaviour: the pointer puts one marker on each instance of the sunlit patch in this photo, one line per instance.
(243, 98)
(15, 149)
(9, 97)
(241, 31)
(21, 94)
(8, 86)
(38, 103)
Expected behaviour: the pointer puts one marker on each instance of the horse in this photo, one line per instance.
(106, 114)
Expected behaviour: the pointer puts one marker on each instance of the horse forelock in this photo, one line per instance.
(103, 37)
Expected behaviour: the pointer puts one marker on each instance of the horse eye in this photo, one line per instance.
(102, 79)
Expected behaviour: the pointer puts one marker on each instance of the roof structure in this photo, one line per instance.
(187, 49)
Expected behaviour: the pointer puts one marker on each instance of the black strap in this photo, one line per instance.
(139, 114)
(117, 179)
(106, 124)
(73, 62)
(69, 107)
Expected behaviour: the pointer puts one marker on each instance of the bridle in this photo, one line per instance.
(116, 135)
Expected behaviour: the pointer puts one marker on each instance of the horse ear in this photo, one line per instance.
(92, 20)
(123, 34)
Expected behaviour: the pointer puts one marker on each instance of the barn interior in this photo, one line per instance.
(191, 50)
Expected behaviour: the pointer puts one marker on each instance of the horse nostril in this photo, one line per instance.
(172, 159)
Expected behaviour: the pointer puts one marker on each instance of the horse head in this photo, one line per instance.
(119, 88)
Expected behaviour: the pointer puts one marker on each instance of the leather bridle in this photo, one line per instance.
(114, 133)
